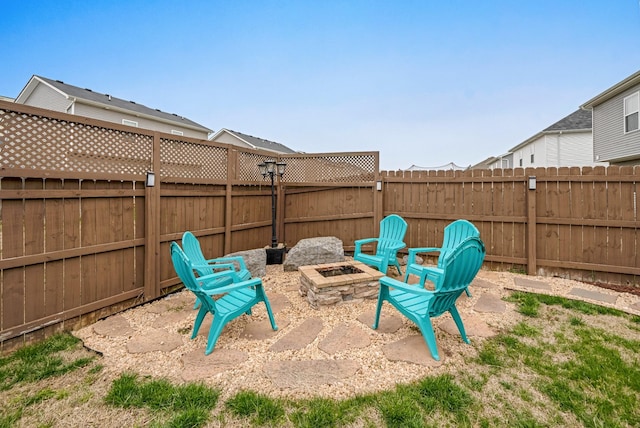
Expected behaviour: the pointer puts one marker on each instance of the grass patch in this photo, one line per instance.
(187, 405)
(41, 361)
(258, 408)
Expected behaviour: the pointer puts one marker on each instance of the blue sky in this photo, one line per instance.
(422, 82)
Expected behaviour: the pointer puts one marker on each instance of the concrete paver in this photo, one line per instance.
(342, 337)
(593, 295)
(300, 336)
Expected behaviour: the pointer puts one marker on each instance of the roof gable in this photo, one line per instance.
(258, 143)
(107, 101)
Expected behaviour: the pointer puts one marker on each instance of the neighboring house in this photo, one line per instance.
(7, 99)
(59, 96)
(568, 142)
(228, 136)
(616, 131)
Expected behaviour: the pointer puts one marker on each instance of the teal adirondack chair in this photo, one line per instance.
(458, 269)
(454, 233)
(234, 266)
(391, 240)
(236, 298)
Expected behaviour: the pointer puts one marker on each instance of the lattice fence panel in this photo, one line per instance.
(43, 143)
(330, 168)
(189, 160)
(248, 166)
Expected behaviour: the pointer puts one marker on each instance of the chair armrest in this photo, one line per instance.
(399, 285)
(433, 274)
(255, 282)
(216, 266)
(411, 258)
(360, 242)
(393, 249)
(217, 275)
(232, 259)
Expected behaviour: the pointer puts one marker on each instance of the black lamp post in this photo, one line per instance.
(272, 168)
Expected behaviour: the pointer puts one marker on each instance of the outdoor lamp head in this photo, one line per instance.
(281, 166)
(271, 166)
(262, 167)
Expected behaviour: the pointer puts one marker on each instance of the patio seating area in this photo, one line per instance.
(331, 351)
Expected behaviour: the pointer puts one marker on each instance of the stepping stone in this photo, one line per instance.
(304, 374)
(171, 317)
(197, 365)
(344, 337)
(490, 303)
(113, 326)
(531, 283)
(412, 349)
(482, 283)
(299, 337)
(154, 340)
(387, 323)
(278, 302)
(593, 295)
(260, 330)
(473, 326)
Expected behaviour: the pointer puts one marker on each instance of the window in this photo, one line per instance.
(520, 161)
(505, 163)
(129, 122)
(531, 157)
(631, 109)
(174, 132)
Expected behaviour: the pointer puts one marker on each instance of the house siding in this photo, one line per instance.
(558, 150)
(611, 143)
(45, 97)
(116, 117)
(230, 139)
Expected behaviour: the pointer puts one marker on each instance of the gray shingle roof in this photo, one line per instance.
(262, 143)
(579, 119)
(108, 100)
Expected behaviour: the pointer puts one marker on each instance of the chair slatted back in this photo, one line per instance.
(182, 265)
(455, 233)
(460, 267)
(393, 228)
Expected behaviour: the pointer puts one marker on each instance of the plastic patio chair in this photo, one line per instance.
(454, 233)
(391, 240)
(233, 265)
(459, 268)
(236, 298)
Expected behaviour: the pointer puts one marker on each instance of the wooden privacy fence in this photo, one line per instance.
(82, 236)
(577, 223)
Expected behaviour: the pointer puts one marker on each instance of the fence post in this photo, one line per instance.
(152, 226)
(531, 224)
(378, 201)
(232, 174)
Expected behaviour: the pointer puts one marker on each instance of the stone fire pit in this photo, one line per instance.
(332, 283)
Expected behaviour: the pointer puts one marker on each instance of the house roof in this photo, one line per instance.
(255, 142)
(87, 96)
(616, 89)
(579, 120)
